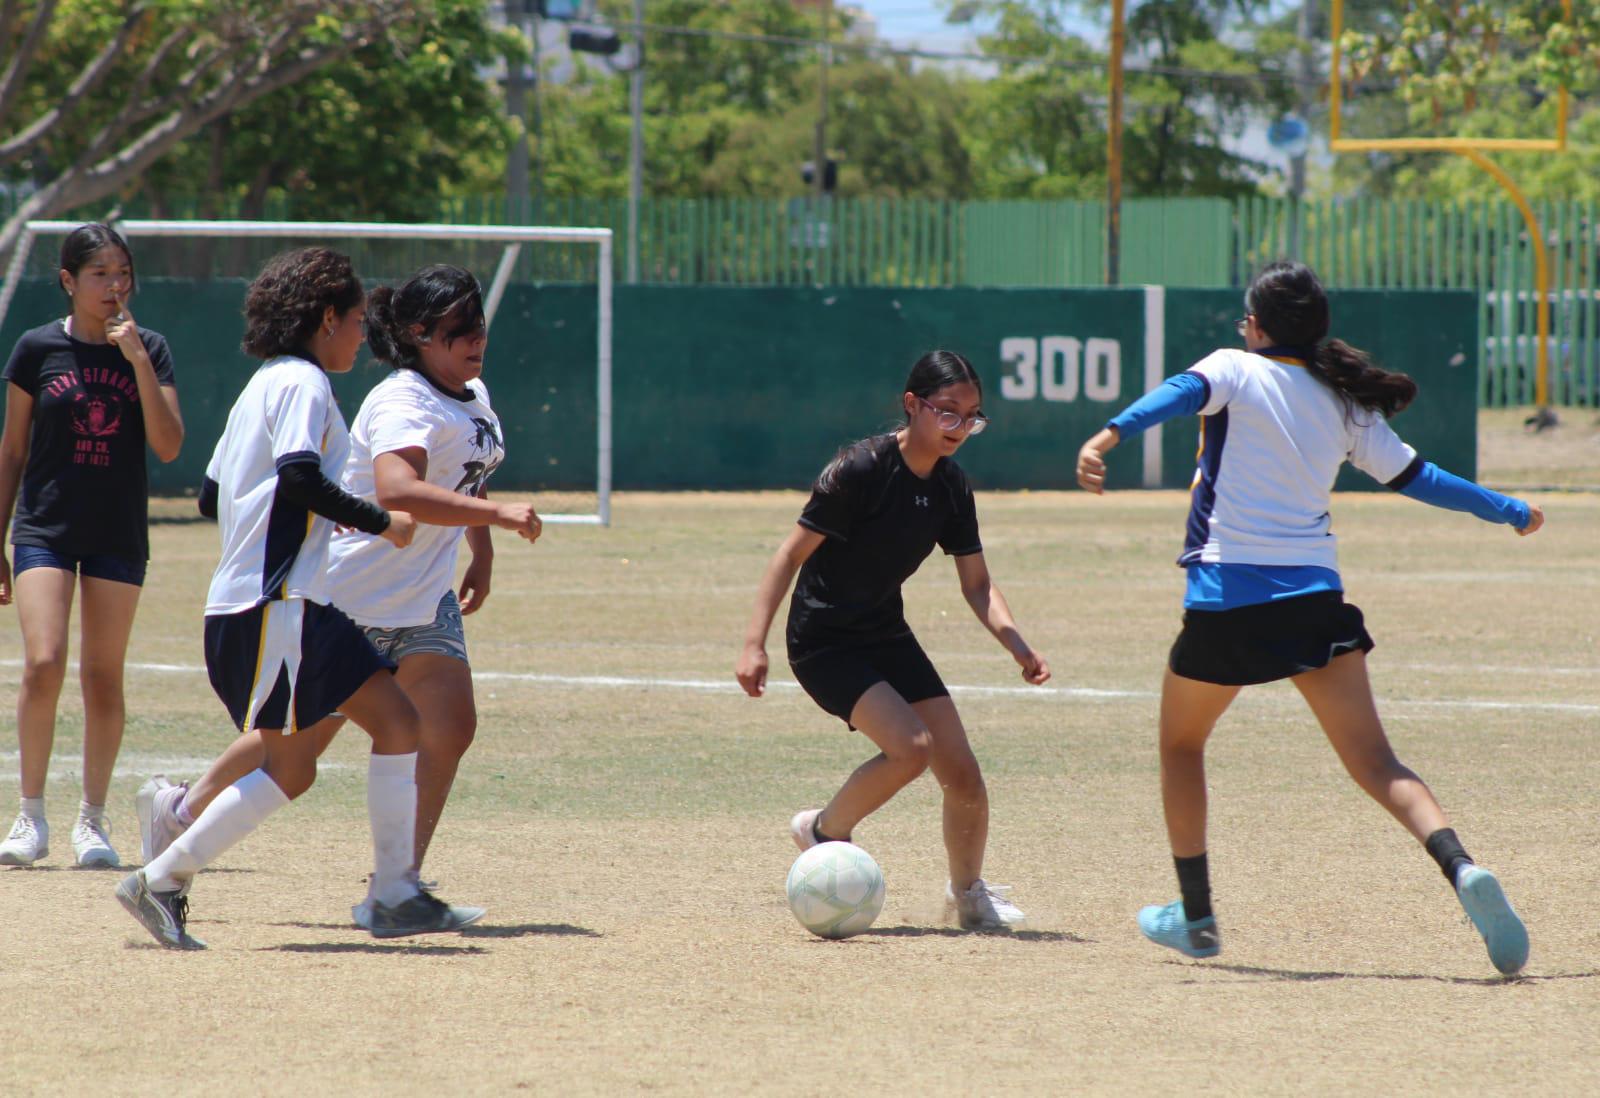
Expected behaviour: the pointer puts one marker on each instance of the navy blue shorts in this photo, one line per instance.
(1268, 641)
(836, 678)
(90, 566)
(336, 660)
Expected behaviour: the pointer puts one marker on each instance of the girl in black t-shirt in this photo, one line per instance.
(87, 394)
(874, 516)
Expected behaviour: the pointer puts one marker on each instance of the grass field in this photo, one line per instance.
(623, 816)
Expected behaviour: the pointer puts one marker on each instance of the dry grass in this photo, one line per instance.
(630, 842)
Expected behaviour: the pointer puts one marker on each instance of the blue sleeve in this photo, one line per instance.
(1180, 395)
(1425, 481)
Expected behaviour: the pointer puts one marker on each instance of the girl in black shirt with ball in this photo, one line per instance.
(875, 514)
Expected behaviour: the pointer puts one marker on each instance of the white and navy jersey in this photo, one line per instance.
(1272, 439)
(375, 583)
(271, 548)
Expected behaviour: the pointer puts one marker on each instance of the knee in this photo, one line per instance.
(293, 777)
(44, 670)
(450, 738)
(101, 682)
(913, 752)
(964, 780)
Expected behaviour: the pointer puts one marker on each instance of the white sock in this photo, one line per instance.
(87, 811)
(236, 811)
(33, 807)
(392, 811)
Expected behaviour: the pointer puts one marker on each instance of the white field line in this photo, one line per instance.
(1034, 693)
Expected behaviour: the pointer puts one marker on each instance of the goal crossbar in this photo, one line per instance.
(512, 236)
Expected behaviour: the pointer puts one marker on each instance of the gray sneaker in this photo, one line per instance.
(423, 913)
(163, 914)
(28, 842)
(157, 803)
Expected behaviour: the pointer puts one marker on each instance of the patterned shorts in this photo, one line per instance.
(443, 636)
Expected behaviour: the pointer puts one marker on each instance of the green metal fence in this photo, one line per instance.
(1357, 243)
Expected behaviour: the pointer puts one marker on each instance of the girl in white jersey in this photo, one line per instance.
(875, 514)
(1264, 599)
(279, 656)
(425, 440)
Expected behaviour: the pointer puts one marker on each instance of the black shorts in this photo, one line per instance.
(837, 677)
(1267, 641)
(336, 660)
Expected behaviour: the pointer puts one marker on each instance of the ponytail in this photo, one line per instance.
(1291, 307)
(1357, 380)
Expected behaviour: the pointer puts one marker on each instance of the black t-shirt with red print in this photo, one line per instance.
(881, 521)
(85, 489)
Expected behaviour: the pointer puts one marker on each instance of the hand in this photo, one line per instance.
(1034, 669)
(475, 584)
(751, 670)
(521, 518)
(1535, 520)
(402, 528)
(1091, 470)
(5, 581)
(122, 331)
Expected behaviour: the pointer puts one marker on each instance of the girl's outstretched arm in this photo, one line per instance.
(990, 605)
(751, 669)
(1425, 481)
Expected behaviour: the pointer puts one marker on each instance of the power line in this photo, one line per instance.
(920, 53)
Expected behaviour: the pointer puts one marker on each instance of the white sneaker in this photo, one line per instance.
(91, 843)
(159, 826)
(803, 828)
(28, 842)
(984, 907)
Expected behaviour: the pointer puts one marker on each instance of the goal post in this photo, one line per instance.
(510, 237)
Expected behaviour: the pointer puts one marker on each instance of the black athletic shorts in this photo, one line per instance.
(836, 677)
(1267, 641)
(336, 660)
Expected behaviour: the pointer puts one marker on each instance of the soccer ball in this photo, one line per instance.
(835, 890)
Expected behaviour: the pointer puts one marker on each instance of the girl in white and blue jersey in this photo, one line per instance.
(1264, 600)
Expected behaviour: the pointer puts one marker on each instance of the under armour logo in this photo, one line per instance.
(922, 501)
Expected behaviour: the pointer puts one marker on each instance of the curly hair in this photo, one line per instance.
(287, 300)
(439, 296)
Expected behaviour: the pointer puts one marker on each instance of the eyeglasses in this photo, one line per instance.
(1241, 326)
(950, 421)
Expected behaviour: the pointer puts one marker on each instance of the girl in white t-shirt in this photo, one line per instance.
(1264, 599)
(425, 441)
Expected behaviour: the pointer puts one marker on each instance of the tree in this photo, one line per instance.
(382, 134)
(95, 93)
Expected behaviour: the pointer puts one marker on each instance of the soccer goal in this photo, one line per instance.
(574, 474)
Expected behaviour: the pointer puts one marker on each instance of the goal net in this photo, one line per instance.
(547, 295)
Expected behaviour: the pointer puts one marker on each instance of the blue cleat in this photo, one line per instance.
(1167, 926)
(1486, 905)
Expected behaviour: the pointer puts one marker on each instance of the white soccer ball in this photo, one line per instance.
(835, 890)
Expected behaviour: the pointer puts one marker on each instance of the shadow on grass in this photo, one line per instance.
(194, 519)
(516, 930)
(1302, 976)
(376, 947)
(956, 932)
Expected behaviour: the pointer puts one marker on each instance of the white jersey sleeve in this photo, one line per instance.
(1374, 447)
(297, 412)
(1222, 372)
(396, 423)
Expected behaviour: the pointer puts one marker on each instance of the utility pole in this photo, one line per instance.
(820, 163)
(636, 142)
(517, 107)
(1297, 164)
(538, 118)
(1114, 148)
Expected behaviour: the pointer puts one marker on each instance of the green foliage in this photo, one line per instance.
(382, 134)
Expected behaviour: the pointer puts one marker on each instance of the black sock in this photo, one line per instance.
(816, 832)
(1447, 850)
(1194, 882)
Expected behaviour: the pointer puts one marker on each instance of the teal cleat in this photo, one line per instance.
(1167, 926)
(1486, 905)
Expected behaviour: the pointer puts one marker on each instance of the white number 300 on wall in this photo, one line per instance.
(1054, 366)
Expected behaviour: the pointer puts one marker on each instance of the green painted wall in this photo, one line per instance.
(757, 387)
